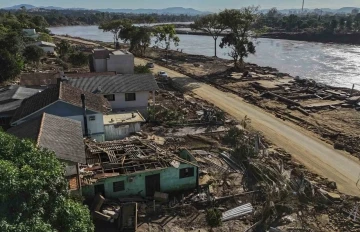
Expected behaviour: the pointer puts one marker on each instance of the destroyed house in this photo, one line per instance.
(63, 100)
(125, 168)
(60, 135)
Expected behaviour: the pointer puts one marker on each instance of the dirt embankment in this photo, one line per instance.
(330, 112)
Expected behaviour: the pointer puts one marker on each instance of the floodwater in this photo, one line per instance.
(332, 64)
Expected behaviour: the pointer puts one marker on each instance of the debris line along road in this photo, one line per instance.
(304, 146)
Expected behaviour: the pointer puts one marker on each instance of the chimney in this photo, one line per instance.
(84, 114)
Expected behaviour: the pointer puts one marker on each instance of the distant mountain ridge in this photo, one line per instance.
(170, 10)
(346, 10)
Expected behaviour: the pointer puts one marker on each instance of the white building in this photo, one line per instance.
(124, 92)
(121, 62)
(121, 125)
(46, 46)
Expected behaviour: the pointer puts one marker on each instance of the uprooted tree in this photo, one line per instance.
(33, 191)
(240, 23)
(210, 24)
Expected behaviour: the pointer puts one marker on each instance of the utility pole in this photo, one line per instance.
(302, 9)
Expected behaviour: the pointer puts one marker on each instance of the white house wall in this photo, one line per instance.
(142, 99)
(100, 65)
(121, 64)
(114, 132)
(96, 127)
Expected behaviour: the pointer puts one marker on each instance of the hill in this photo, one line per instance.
(171, 10)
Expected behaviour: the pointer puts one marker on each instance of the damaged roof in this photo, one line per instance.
(65, 93)
(125, 157)
(125, 83)
(62, 135)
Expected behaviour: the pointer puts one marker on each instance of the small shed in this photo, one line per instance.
(121, 125)
(46, 46)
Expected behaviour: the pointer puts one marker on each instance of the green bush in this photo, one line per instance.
(78, 59)
(33, 53)
(141, 69)
(213, 217)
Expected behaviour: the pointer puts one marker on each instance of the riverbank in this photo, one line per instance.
(327, 111)
(333, 113)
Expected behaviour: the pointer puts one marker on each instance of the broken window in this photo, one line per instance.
(130, 97)
(186, 172)
(118, 186)
(110, 97)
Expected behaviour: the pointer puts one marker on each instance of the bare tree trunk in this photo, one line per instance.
(215, 39)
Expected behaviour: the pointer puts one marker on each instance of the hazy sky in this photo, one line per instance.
(211, 5)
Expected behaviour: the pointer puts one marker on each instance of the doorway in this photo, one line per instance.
(152, 184)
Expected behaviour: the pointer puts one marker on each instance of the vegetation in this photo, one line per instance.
(139, 38)
(63, 48)
(115, 27)
(13, 49)
(210, 24)
(240, 22)
(33, 53)
(78, 59)
(91, 17)
(165, 35)
(45, 37)
(311, 22)
(213, 217)
(33, 191)
(141, 69)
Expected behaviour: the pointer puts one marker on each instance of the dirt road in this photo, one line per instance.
(305, 147)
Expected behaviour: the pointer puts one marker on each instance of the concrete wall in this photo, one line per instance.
(142, 99)
(169, 182)
(63, 109)
(121, 64)
(100, 65)
(120, 132)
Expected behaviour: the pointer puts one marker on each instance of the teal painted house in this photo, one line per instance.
(136, 169)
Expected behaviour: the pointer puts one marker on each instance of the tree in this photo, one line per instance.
(78, 59)
(63, 48)
(33, 191)
(349, 24)
(115, 27)
(342, 23)
(166, 35)
(238, 40)
(10, 65)
(210, 24)
(33, 53)
(333, 25)
(139, 38)
(45, 37)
